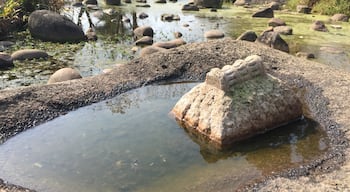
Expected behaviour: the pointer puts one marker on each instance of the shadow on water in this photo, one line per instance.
(130, 143)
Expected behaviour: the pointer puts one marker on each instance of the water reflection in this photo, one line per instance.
(298, 142)
(129, 143)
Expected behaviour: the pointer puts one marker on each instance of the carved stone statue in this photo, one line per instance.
(237, 102)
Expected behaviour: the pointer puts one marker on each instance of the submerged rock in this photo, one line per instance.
(6, 61)
(112, 2)
(64, 74)
(319, 26)
(29, 54)
(50, 26)
(170, 17)
(237, 102)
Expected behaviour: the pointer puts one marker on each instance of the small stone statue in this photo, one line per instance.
(237, 102)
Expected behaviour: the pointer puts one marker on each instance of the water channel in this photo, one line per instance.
(131, 143)
(91, 58)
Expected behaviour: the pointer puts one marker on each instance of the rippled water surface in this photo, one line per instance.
(131, 143)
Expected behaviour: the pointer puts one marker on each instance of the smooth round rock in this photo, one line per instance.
(50, 26)
(274, 22)
(283, 30)
(29, 54)
(170, 44)
(143, 31)
(145, 40)
(214, 34)
(340, 17)
(151, 49)
(64, 74)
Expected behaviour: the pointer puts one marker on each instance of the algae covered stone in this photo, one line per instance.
(237, 102)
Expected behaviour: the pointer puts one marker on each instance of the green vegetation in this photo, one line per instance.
(330, 7)
(19, 8)
(327, 7)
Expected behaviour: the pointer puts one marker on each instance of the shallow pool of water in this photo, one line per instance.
(130, 143)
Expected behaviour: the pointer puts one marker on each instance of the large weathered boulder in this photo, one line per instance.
(143, 31)
(64, 74)
(170, 44)
(237, 102)
(273, 40)
(264, 13)
(340, 17)
(6, 61)
(29, 54)
(208, 3)
(50, 26)
(248, 36)
(319, 26)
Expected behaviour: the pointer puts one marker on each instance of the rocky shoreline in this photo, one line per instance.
(323, 89)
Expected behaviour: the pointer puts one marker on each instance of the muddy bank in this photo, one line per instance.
(323, 89)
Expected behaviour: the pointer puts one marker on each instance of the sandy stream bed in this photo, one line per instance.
(324, 90)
